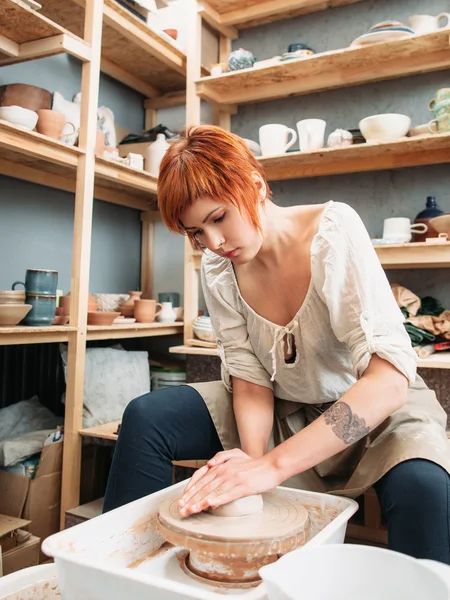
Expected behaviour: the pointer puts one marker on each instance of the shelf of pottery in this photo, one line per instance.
(377, 142)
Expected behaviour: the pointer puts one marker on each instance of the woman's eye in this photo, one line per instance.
(219, 219)
(197, 233)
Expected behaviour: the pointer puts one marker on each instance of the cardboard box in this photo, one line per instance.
(22, 556)
(38, 500)
(8, 531)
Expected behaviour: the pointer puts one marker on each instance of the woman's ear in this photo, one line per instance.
(260, 185)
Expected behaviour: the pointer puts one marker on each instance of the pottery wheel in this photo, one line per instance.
(280, 518)
(231, 550)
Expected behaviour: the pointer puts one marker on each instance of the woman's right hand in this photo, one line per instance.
(218, 459)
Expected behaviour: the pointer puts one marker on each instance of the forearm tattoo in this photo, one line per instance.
(345, 425)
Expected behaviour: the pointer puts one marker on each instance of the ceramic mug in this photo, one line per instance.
(311, 134)
(145, 310)
(440, 100)
(43, 310)
(440, 125)
(52, 123)
(273, 139)
(421, 24)
(39, 281)
(399, 229)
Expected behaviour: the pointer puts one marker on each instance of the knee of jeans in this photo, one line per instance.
(417, 483)
(138, 413)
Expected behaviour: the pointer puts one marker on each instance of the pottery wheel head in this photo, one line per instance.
(280, 518)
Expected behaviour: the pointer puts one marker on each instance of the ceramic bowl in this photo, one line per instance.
(441, 224)
(385, 127)
(102, 318)
(179, 312)
(19, 116)
(12, 297)
(203, 330)
(12, 314)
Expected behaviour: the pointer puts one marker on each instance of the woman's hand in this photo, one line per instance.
(228, 476)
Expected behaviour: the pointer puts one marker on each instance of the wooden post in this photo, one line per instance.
(151, 116)
(147, 255)
(81, 261)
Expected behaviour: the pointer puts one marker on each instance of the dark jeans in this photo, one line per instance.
(174, 424)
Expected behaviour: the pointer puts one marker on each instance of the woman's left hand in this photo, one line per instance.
(230, 475)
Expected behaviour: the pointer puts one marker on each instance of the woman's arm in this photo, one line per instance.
(381, 391)
(253, 409)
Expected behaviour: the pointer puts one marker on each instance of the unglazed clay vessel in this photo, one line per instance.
(145, 310)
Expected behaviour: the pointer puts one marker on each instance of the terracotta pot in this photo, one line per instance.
(127, 308)
(51, 123)
(145, 310)
(24, 95)
(64, 304)
(61, 319)
(102, 318)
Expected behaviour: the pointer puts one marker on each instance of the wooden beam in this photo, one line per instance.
(191, 283)
(147, 257)
(145, 39)
(166, 101)
(214, 19)
(151, 118)
(82, 236)
(194, 62)
(128, 79)
(54, 45)
(9, 47)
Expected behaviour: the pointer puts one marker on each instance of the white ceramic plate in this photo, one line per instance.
(377, 37)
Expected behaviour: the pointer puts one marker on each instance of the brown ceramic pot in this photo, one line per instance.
(24, 95)
(127, 308)
(51, 123)
(145, 310)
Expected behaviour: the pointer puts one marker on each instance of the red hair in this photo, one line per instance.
(208, 161)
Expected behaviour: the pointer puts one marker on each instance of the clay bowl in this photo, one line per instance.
(441, 224)
(12, 297)
(173, 33)
(12, 314)
(61, 320)
(24, 95)
(102, 318)
(19, 116)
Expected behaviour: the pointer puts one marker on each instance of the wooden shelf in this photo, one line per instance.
(328, 70)
(30, 156)
(438, 360)
(105, 432)
(414, 256)
(132, 53)
(21, 334)
(133, 330)
(251, 13)
(194, 350)
(26, 34)
(427, 149)
(197, 259)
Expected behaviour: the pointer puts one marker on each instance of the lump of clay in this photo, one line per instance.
(250, 505)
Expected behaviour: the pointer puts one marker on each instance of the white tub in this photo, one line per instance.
(120, 555)
(34, 583)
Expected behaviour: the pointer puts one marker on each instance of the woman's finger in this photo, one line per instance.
(225, 455)
(196, 488)
(206, 496)
(195, 477)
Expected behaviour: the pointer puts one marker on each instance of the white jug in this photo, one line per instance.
(167, 314)
(154, 154)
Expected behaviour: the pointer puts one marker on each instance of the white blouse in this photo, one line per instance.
(349, 313)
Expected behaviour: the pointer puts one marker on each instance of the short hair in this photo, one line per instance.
(208, 161)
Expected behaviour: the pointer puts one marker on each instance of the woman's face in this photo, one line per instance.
(221, 228)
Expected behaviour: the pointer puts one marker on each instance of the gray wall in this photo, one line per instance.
(377, 195)
(36, 223)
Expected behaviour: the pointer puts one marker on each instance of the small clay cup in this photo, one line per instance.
(51, 123)
(145, 310)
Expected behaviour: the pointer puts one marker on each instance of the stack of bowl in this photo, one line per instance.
(12, 307)
(203, 329)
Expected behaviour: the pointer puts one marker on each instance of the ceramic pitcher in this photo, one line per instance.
(167, 314)
(421, 24)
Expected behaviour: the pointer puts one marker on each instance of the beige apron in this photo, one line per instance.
(417, 430)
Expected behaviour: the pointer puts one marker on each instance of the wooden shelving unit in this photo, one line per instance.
(26, 34)
(132, 53)
(439, 360)
(414, 256)
(375, 156)
(104, 432)
(329, 70)
(34, 335)
(250, 13)
(134, 330)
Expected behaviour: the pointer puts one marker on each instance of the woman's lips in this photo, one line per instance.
(232, 253)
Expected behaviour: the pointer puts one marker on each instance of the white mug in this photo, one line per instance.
(273, 139)
(399, 229)
(311, 134)
(427, 23)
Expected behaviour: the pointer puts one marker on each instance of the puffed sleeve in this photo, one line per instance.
(229, 324)
(350, 280)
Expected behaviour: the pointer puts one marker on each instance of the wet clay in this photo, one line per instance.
(250, 505)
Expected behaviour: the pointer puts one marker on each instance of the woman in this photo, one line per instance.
(319, 385)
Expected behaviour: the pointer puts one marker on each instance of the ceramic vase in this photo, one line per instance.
(155, 153)
(167, 314)
(127, 308)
